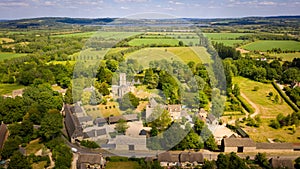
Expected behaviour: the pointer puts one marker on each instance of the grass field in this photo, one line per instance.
(34, 146)
(102, 34)
(229, 42)
(141, 42)
(7, 55)
(287, 56)
(269, 45)
(223, 36)
(8, 88)
(268, 110)
(184, 54)
(122, 165)
(110, 109)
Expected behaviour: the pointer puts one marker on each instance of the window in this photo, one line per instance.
(131, 147)
(240, 149)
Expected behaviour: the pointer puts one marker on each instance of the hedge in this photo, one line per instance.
(285, 97)
(245, 104)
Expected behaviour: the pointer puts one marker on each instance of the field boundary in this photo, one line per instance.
(245, 104)
(285, 97)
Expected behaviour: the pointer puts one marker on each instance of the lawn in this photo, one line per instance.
(39, 165)
(8, 88)
(122, 165)
(8, 55)
(269, 45)
(110, 109)
(287, 56)
(268, 110)
(142, 42)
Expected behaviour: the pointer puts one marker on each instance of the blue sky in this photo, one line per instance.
(12, 9)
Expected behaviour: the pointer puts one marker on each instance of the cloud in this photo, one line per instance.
(134, 1)
(14, 4)
(123, 7)
(176, 2)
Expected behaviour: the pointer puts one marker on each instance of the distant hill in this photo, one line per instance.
(64, 21)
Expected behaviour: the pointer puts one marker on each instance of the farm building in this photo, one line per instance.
(274, 147)
(239, 145)
(95, 161)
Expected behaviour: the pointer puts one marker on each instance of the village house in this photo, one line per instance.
(212, 120)
(73, 127)
(90, 161)
(175, 111)
(180, 159)
(281, 163)
(128, 143)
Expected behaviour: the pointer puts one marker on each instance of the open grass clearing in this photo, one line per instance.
(39, 165)
(270, 44)
(122, 165)
(6, 40)
(34, 146)
(110, 109)
(8, 88)
(10, 55)
(268, 111)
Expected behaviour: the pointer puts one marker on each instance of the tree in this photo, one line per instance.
(222, 161)
(103, 88)
(180, 43)
(129, 100)
(10, 146)
(18, 161)
(95, 98)
(203, 100)
(121, 126)
(211, 144)
(209, 164)
(236, 90)
(160, 118)
(198, 125)
(262, 160)
(51, 125)
(297, 163)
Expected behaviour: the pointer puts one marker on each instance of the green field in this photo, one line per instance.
(223, 36)
(268, 110)
(6, 55)
(122, 165)
(184, 54)
(142, 42)
(101, 34)
(269, 45)
(287, 56)
(231, 43)
(8, 88)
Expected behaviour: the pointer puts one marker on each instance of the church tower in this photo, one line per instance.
(122, 79)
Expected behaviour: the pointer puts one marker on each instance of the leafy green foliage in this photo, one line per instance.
(89, 144)
(18, 161)
(51, 125)
(129, 101)
(121, 126)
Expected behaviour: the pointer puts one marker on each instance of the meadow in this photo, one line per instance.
(268, 110)
(9, 55)
(263, 46)
(183, 54)
(224, 36)
(155, 41)
(99, 34)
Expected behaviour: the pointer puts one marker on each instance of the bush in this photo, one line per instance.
(245, 104)
(285, 97)
(89, 144)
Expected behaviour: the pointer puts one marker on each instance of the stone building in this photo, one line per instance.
(92, 161)
(123, 86)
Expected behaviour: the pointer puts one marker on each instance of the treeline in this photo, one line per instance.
(289, 120)
(39, 106)
(263, 36)
(294, 94)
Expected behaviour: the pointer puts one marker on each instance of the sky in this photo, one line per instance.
(16, 9)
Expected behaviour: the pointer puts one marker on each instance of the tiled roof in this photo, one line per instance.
(274, 146)
(168, 157)
(91, 159)
(191, 157)
(236, 142)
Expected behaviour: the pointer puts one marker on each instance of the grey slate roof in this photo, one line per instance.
(72, 124)
(211, 117)
(95, 133)
(85, 119)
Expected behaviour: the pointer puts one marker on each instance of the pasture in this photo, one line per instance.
(268, 110)
(99, 34)
(9, 55)
(155, 41)
(231, 43)
(183, 54)
(223, 36)
(263, 46)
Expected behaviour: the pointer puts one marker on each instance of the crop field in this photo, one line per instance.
(287, 56)
(269, 45)
(8, 55)
(8, 88)
(141, 42)
(184, 54)
(268, 110)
